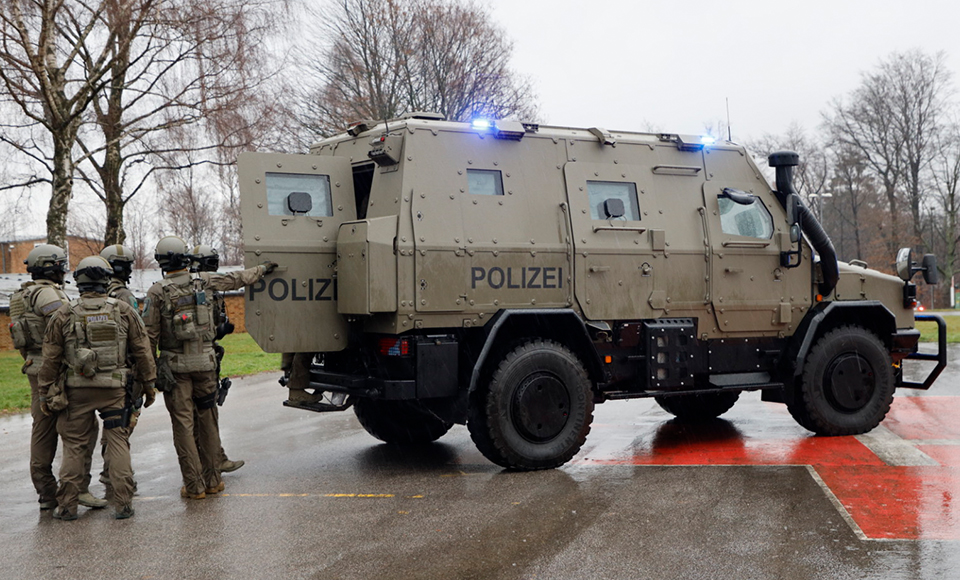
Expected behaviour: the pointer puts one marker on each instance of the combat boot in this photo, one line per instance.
(215, 489)
(124, 512)
(87, 499)
(186, 495)
(227, 466)
(47, 504)
(64, 515)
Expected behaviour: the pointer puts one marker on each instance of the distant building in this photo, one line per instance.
(140, 282)
(14, 252)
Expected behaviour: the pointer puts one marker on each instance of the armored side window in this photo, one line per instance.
(613, 200)
(280, 187)
(484, 182)
(751, 220)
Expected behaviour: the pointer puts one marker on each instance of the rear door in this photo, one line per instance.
(292, 207)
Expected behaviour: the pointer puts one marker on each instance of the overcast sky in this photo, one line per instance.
(670, 64)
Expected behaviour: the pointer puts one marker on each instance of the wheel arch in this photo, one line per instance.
(869, 314)
(560, 325)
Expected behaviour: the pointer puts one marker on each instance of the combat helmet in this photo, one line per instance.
(47, 261)
(172, 254)
(92, 271)
(206, 257)
(120, 258)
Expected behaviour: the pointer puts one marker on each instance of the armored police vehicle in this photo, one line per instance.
(509, 276)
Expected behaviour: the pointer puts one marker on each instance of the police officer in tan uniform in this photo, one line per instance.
(30, 310)
(178, 313)
(121, 259)
(207, 259)
(86, 343)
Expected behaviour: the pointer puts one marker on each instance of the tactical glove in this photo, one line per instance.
(149, 395)
(269, 267)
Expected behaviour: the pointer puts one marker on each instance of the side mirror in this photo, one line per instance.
(906, 267)
(903, 264)
(613, 208)
(930, 273)
(793, 211)
(792, 205)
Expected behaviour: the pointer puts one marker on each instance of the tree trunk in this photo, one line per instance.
(62, 179)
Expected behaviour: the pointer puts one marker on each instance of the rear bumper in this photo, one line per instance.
(369, 387)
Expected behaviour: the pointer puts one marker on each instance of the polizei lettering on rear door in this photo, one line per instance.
(311, 290)
(527, 277)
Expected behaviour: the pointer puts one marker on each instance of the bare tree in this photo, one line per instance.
(811, 176)
(946, 179)
(43, 75)
(854, 197)
(381, 59)
(892, 119)
(185, 89)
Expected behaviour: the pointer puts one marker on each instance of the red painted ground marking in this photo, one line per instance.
(886, 502)
(925, 418)
(945, 455)
(897, 503)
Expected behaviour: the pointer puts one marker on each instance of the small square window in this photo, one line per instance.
(281, 185)
(484, 182)
(603, 196)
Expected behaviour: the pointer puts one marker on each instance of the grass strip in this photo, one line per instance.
(243, 357)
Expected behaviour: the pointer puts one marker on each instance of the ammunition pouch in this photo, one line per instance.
(57, 394)
(86, 365)
(115, 418)
(20, 333)
(191, 362)
(165, 379)
(206, 402)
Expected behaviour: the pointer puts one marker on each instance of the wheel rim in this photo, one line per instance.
(849, 382)
(541, 407)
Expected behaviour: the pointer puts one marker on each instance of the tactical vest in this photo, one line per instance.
(28, 320)
(187, 329)
(95, 344)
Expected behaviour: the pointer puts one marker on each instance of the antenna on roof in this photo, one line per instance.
(729, 130)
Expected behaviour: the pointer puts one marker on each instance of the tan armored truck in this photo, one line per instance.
(510, 276)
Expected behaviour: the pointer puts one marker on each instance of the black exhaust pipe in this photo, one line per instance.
(784, 162)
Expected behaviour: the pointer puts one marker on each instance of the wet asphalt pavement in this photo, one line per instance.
(751, 496)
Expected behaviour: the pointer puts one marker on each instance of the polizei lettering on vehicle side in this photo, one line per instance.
(527, 277)
(278, 289)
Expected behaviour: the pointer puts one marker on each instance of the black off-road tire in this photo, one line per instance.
(847, 385)
(399, 422)
(535, 410)
(700, 407)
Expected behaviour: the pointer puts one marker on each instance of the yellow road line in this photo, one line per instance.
(318, 495)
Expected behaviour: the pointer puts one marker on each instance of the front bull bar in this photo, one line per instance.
(940, 357)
